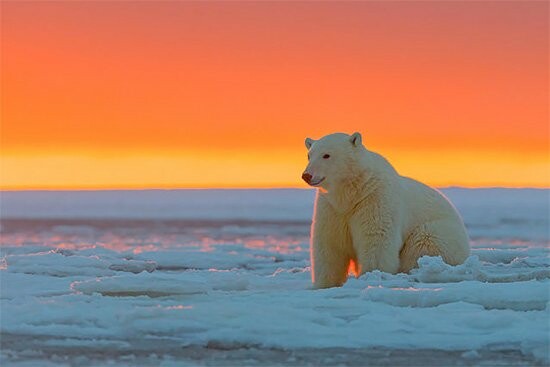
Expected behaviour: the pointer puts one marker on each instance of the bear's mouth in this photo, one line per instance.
(316, 183)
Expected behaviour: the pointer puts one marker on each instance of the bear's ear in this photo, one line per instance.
(355, 139)
(309, 142)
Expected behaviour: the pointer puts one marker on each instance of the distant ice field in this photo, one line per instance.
(147, 277)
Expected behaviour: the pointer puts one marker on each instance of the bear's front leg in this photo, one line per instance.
(379, 253)
(330, 243)
(376, 241)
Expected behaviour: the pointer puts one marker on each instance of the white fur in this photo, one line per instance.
(369, 216)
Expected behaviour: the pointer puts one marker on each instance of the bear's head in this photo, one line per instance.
(330, 159)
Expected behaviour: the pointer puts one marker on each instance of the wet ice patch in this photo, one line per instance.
(190, 260)
(163, 285)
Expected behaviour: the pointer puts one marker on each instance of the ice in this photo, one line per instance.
(61, 264)
(489, 295)
(241, 281)
(183, 204)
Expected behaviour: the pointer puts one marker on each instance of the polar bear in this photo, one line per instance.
(368, 217)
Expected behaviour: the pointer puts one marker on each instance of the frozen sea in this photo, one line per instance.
(222, 277)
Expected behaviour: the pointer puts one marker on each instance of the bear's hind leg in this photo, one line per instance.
(437, 238)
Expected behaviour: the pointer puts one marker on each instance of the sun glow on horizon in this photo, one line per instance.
(113, 95)
(281, 169)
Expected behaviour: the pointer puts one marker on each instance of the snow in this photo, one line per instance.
(117, 270)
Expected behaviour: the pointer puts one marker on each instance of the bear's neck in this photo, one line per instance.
(351, 192)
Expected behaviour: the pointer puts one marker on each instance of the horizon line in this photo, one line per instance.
(235, 188)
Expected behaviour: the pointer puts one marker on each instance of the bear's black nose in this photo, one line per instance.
(306, 177)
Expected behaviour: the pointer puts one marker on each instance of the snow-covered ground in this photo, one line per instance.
(222, 277)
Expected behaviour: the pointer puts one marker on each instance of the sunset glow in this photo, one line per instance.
(215, 94)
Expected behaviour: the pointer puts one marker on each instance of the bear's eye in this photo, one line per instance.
(326, 156)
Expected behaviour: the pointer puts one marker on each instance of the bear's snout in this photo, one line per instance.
(307, 177)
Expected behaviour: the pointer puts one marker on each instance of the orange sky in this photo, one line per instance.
(178, 94)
